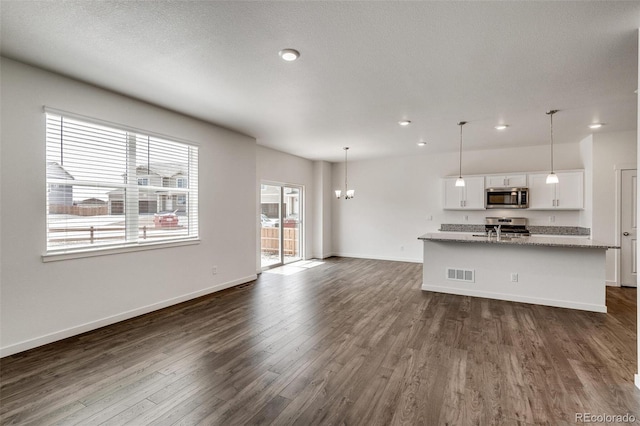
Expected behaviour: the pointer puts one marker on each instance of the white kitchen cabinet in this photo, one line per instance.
(506, 181)
(468, 197)
(567, 194)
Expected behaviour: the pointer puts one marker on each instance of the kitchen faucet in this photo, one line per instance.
(497, 229)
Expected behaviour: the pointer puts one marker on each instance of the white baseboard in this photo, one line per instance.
(516, 298)
(83, 328)
(320, 256)
(637, 380)
(393, 259)
(612, 284)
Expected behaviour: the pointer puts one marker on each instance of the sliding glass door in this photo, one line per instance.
(281, 238)
(291, 224)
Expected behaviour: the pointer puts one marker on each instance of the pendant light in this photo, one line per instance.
(460, 181)
(552, 177)
(348, 193)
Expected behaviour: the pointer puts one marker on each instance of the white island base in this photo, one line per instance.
(562, 276)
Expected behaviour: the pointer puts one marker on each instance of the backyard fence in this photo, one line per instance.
(78, 210)
(270, 240)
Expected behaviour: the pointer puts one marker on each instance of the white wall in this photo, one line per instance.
(586, 156)
(279, 167)
(395, 197)
(611, 153)
(43, 302)
(322, 244)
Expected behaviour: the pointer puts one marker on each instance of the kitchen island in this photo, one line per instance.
(553, 271)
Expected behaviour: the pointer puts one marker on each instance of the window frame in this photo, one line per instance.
(131, 243)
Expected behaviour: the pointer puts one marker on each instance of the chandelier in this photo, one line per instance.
(348, 193)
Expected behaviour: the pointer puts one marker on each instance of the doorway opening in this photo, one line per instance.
(281, 236)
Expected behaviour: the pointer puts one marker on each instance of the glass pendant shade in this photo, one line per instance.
(552, 178)
(338, 193)
(460, 181)
(350, 193)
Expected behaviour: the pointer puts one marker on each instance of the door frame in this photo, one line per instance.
(301, 224)
(618, 221)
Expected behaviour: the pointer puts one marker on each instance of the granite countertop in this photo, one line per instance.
(533, 240)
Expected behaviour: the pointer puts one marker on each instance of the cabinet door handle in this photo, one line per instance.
(557, 203)
(505, 182)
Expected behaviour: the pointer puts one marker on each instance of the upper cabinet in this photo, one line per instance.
(506, 181)
(567, 194)
(468, 197)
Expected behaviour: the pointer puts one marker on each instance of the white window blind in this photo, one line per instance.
(109, 186)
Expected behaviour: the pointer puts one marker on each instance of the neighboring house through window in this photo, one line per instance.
(110, 186)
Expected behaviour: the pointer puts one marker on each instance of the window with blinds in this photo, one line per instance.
(112, 187)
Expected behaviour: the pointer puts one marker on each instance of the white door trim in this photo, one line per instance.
(618, 168)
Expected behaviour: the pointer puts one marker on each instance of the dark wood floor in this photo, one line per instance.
(348, 342)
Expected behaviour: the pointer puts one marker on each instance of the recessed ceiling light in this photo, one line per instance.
(404, 122)
(422, 143)
(501, 126)
(595, 125)
(289, 55)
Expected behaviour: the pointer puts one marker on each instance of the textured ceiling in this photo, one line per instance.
(363, 67)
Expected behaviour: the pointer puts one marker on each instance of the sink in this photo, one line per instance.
(493, 237)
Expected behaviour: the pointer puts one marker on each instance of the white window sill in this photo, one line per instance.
(105, 251)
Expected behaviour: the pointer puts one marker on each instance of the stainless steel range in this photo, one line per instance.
(511, 226)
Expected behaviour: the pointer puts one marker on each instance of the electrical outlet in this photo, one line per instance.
(429, 217)
(214, 270)
(466, 218)
(514, 277)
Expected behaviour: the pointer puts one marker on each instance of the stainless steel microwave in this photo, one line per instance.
(506, 198)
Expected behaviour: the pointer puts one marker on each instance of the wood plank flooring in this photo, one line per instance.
(350, 341)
